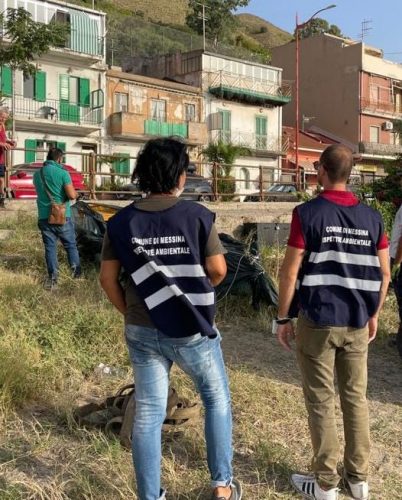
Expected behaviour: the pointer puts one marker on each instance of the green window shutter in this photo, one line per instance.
(6, 81)
(64, 88)
(30, 156)
(84, 93)
(122, 164)
(40, 86)
(69, 112)
(261, 132)
(226, 120)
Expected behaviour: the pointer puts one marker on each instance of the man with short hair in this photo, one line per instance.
(337, 258)
(395, 251)
(59, 184)
(5, 145)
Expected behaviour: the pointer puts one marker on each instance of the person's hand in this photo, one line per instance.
(395, 271)
(12, 143)
(5, 146)
(372, 327)
(285, 334)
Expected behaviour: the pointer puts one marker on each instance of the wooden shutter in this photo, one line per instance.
(261, 125)
(6, 81)
(30, 156)
(40, 86)
(64, 88)
(83, 92)
(122, 164)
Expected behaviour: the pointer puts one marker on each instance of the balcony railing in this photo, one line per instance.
(377, 148)
(53, 110)
(254, 142)
(247, 89)
(136, 125)
(380, 107)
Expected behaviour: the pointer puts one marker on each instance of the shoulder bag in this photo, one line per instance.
(57, 214)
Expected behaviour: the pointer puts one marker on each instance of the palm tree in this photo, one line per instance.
(223, 156)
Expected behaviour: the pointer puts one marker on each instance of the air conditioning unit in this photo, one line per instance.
(387, 125)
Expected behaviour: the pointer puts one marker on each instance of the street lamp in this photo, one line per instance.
(298, 27)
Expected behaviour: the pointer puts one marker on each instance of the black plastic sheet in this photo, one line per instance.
(246, 276)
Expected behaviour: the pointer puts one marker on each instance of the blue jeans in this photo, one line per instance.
(152, 354)
(66, 234)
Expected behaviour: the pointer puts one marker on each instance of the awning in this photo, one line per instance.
(84, 33)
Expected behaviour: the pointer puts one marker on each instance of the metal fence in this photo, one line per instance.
(109, 177)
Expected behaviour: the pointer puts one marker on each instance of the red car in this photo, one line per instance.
(21, 180)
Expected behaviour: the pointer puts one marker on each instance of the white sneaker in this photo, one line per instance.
(359, 491)
(309, 488)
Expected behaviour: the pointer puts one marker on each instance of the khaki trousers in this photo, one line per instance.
(320, 350)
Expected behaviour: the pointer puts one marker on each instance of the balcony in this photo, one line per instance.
(380, 108)
(259, 145)
(54, 114)
(248, 90)
(380, 149)
(124, 125)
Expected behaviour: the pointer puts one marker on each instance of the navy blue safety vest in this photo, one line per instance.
(164, 253)
(340, 279)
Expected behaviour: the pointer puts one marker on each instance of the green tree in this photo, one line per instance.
(24, 41)
(223, 155)
(318, 26)
(220, 19)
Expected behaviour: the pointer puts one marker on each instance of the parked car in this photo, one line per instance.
(21, 179)
(276, 192)
(197, 188)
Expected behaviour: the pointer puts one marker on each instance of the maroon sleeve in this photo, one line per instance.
(296, 237)
(383, 243)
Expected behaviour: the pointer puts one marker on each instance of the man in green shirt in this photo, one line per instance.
(59, 184)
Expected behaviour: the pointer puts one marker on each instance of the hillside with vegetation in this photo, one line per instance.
(264, 32)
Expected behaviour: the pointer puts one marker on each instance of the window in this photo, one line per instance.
(189, 112)
(74, 93)
(33, 145)
(120, 102)
(245, 178)
(34, 86)
(121, 165)
(74, 89)
(61, 17)
(225, 134)
(398, 99)
(375, 134)
(158, 110)
(29, 86)
(261, 132)
(374, 93)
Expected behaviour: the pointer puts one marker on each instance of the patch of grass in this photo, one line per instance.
(50, 345)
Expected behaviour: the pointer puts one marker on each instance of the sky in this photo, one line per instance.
(385, 17)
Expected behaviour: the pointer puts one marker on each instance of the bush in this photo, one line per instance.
(226, 187)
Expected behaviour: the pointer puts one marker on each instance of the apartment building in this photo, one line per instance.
(139, 108)
(242, 105)
(351, 91)
(62, 104)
